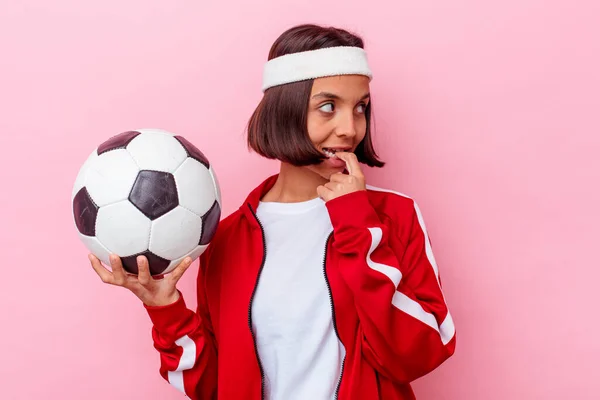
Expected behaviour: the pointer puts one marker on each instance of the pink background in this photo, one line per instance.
(487, 114)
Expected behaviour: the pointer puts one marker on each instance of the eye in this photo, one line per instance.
(362, 107)
(327, 107)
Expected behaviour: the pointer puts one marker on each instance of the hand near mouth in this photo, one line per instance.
(339, 183)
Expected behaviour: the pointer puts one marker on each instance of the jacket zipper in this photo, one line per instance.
(337, 389)
(262, 372)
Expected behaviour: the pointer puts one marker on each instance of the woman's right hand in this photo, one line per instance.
(153, 291)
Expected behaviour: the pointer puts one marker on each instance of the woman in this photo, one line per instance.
(317, 287)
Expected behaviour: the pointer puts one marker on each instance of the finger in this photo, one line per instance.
(144, 277)
(180, 269)
(103, 273)
(117, 270)
(324, 193)
(333, 186)
(340, 177)
(351, 163)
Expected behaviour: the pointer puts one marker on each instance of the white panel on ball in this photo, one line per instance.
(193, 254)
(194, 186)
(81, 176)
(110, 177)
(123, 229)
(175, 233)
(216, 186)
(157, 152)
(96, 248)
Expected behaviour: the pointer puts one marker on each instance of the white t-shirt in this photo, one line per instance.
(292, 321)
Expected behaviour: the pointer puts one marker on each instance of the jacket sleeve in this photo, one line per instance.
(185, 341)
(406, 328)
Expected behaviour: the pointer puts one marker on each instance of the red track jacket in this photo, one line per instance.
(387, 304)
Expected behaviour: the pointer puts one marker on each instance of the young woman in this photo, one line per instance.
(318, 286)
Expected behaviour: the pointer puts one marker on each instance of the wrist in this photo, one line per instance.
(168, 319)
(351, 210)
(163, 301)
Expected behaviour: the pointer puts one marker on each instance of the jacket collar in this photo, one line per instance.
(251, 203)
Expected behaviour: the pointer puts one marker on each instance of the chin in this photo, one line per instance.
(327, 172)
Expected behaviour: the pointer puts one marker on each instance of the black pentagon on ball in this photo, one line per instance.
(193, 151)
(210, 222)
(119, 141)
(156, 264)
(85, 212)
(154, 193)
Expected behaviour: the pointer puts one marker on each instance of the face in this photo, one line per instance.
(336, 118)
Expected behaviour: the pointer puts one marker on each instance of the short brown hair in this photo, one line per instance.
(278, 126)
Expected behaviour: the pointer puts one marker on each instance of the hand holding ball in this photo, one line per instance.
(146, 193)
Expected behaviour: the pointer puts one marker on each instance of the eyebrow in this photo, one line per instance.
(332, 96)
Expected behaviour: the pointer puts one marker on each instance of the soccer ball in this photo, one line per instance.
(146, 192)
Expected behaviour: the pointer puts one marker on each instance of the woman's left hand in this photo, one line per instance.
(340, 184)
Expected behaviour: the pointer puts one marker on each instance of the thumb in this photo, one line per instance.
(180, 269)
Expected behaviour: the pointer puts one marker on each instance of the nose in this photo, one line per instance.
(346, 125)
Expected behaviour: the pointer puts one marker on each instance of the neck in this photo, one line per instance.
(294, 184)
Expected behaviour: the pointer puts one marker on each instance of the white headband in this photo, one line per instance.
(330, 61)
